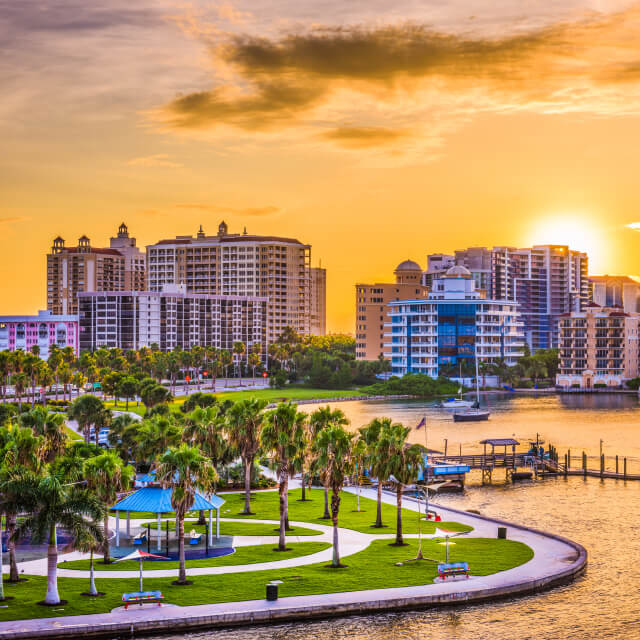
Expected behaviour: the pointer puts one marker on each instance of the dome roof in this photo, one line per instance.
(408, 265)
(457, 271)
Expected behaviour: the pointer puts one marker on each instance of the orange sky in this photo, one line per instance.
(374, 132)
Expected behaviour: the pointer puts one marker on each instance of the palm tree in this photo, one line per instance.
(127, 389)
(318, 421)
(186, 470)
(254, 361)
(49, 502)
(5, 372)
(226, 359)
(282, 435)
(88, 543)
(31, 367)
(55, 362)
(49, 425)
(334, 445)
(87, 410)
(155, 436)
(376, 458)
(403, 463)
(65, 374)
(244, 423)
(20, 382)
(239, 349)
(123, 435)
(106, 476)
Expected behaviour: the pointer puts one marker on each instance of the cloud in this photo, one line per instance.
(634, 226)
(155, 160)
(266, 84)
(363, 137)
(12, 220)
(246, 211)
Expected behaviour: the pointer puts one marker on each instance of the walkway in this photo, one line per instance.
(556, 561)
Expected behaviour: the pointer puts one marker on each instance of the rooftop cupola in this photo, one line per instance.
(84, 244)
(201, 232)
(123, 232)
(58, 245)
(223, 229)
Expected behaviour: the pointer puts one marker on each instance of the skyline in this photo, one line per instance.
(375, 134)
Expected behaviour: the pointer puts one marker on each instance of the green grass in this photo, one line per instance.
(369, 569)
(293, 392)
(243, 555)
(241, 529)
(72, 434)
(265, 504)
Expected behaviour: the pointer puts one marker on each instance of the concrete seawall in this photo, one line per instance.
(556, 561)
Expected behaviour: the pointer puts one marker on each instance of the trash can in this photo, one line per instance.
(502, 533)
(272, 592)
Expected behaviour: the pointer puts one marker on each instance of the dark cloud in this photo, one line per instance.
(278, 80)
(362, 137)
(246, 211)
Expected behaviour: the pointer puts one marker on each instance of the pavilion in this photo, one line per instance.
(157, 500)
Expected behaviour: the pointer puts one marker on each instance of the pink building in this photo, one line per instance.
(43, 330)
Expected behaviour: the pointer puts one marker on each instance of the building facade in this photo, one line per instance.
(598, 347)
(73, 270)
(231, 264)
(615, 291)
(171, 319)
(546, 281)
(43, 330)
(318, 277)
(454, 325)
(372, 310)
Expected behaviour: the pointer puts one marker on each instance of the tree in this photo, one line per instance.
(376, 458)
(403, 463)
(48, 502)
(319, 420)
(226, 359)
(65, 375)
(244, 423)
(123, 435)
(111, 385)
(31, 367)
(127, 389)
(254, 360)
(282, 435)
(88, 411)
(155, 436)
(20, 382)
(239, 349)
(334, 445)
(106, 475)
(186, 470)
(51, 427)
(5, 372)
(154, 395)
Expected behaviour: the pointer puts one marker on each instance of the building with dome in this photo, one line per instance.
(74, 270)
(372, 311)
(451, 327)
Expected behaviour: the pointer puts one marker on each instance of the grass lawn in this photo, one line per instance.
(241, 529)
(265, 504)
(72, 434)
(243, 555)
(369, 569)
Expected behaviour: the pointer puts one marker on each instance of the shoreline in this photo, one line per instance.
(557, 561)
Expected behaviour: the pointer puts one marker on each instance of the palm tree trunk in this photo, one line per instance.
(182, 573)
(399, 540)
(1, 568)
(14, 576)
(286, 505)
(107, 558)
(378, 523)
(326, 515)
(282, 543)
(52, 596)
(303, 485)
(335, 507)
(248, 465)
(92, 582)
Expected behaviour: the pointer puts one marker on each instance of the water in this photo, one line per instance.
(601, 515)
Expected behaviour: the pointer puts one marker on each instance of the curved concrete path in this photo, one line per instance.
(556, 561)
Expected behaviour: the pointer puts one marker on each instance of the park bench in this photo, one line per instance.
(453, 569)
(139, 597)
(140, 538)
(194, 538)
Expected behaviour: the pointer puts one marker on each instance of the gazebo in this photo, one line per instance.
(157, 500)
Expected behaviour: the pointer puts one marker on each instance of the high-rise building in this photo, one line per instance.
(437, 265)
(615, 291)
(476, 259)
(134, 259)
(452, 325)
(72, 270)
(598, 347)
(43, 331)
(372, 310)
(546, 281)
(243, 265)
(171, 319)
(318, 301)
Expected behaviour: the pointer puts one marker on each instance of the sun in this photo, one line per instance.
(576, 231)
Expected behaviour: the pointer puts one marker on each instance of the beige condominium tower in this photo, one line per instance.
(239, 265)
(372, 310)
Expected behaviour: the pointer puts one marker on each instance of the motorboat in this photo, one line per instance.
(456, 403)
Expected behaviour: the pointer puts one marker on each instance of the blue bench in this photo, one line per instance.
(194, 539)
(453, 569)
(140, 538)
(139, 597)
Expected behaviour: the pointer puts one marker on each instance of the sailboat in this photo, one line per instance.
(474, 414)
(457, 403)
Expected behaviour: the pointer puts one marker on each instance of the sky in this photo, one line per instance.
(376, 131)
